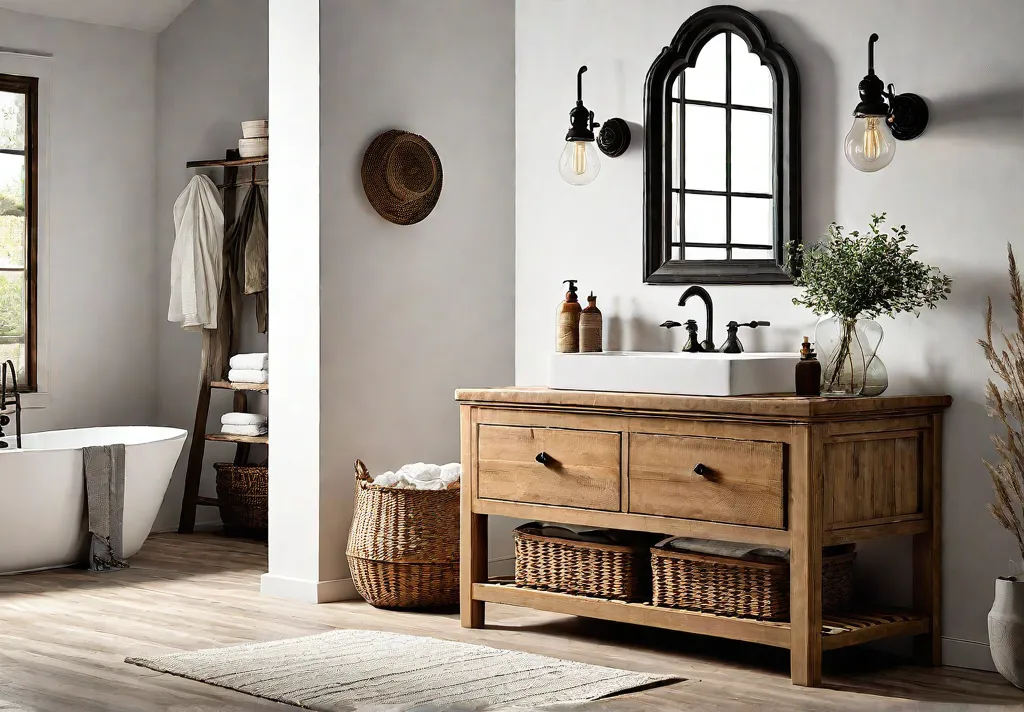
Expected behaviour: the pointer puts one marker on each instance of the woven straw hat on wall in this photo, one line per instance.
(401, 176)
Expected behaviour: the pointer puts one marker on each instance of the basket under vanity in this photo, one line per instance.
(796, 473)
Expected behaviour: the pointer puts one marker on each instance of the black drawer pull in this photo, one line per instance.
(702, 470)
(543, 458)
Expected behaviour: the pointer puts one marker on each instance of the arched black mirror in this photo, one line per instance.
(721, 154)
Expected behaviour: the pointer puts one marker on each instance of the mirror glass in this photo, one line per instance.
(722, 123)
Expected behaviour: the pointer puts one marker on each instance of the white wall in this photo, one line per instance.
(98, 338)
(958, 188)
(410, 313)
(211, 74)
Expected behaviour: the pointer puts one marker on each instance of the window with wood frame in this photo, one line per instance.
(19, 179)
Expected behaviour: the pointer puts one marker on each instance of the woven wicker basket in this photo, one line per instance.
(403, 548)
(614, 571)
(242, 497)
(737, 587)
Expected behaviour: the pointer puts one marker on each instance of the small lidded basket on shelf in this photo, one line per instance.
(403, 548)
(740, 580)
(601, 563)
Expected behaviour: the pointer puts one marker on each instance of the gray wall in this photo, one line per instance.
(411, 313)
(958, 188)
(97, 348)
(211, 74)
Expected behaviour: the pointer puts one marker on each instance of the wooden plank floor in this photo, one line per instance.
(64, 635)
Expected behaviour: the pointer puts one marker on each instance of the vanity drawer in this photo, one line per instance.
(742, 483)
(583, 467)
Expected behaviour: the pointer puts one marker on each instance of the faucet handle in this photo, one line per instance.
(733, 345)
(669, 324)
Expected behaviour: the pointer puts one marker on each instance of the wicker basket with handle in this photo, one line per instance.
(616, 571)
(403, 548)
(740, 587)
(242, 497)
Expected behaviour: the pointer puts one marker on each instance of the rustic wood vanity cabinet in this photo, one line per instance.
(798, 473)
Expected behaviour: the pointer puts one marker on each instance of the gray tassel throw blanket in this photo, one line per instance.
(104, 494)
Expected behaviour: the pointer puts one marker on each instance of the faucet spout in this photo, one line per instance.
(709, 342)
(4, 402)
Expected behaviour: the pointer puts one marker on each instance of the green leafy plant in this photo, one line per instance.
(866, 275)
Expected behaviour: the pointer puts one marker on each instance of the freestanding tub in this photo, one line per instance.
(43, 512)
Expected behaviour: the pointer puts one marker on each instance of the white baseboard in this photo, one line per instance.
(308, 591)
(966, 654)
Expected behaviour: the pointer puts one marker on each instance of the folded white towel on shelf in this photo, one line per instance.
(249, 362)
(243, 419)
(421, 476)
(247, 375)
(251, 431)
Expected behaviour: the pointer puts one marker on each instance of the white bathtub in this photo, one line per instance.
(42, 512)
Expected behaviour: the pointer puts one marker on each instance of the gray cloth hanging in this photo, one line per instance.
(104, 495)
(251, 233)
(256, 247)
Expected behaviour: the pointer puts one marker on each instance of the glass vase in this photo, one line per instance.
(848, 348)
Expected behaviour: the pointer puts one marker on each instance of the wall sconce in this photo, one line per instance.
(869, 145)
(579, 163)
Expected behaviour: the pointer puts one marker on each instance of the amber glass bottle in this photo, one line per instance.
(808, 372)
(567, 337)
(591, 327)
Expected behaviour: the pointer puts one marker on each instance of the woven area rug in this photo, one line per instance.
(346, 670)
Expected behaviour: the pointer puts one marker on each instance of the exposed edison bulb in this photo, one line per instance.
(869, 145)
(579, 164)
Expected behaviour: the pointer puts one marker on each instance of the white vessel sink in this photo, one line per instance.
(711, 374)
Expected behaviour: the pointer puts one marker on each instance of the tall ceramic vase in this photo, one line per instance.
(1006, 630)
(849, 348)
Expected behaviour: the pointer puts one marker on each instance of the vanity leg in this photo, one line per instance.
(806, 535)
(472, 533)
(473, 567)
(928, 558)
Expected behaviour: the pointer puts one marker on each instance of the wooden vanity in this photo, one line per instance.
(798, 473)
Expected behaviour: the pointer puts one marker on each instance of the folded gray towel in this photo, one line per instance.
(728, 549)
(104, 494)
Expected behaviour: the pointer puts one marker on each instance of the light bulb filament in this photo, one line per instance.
(873, 140)
(579, 158)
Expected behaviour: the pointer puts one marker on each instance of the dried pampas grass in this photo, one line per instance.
(1006, 404)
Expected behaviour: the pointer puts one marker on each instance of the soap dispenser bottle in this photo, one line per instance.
(808, 372)
(567, 338)
(591, 327)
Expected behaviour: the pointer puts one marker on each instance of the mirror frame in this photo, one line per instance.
(659, 142)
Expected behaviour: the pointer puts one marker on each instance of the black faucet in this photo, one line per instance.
(708, 344)
(5, 401)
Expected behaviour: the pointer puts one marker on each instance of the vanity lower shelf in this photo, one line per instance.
(838, 631)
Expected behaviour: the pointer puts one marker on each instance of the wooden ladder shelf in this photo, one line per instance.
(207, 383)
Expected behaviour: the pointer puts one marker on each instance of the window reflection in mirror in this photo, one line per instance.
(722, 118)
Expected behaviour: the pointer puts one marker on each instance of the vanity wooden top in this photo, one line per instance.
(770, 406)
